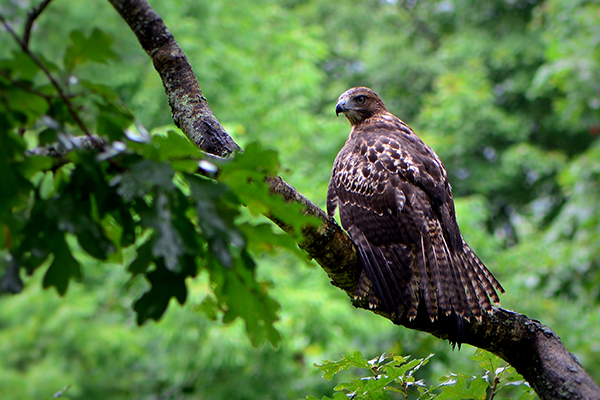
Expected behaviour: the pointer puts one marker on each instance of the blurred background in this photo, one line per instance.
(507, 92)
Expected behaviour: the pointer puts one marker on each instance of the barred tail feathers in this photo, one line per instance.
(453, 290)
(480, 281)
(489, 282)
(438, 270)
(465, 300)
(450, 281)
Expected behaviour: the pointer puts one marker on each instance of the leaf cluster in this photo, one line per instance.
(392, 376)
(120, 188)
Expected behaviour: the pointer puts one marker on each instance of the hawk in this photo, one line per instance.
(395, 202)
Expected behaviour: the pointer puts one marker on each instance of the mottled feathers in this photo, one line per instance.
(395, 201)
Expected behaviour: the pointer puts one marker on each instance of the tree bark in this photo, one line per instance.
(531, 348)
(189, 107)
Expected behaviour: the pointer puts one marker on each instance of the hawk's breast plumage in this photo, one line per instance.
(395, 201)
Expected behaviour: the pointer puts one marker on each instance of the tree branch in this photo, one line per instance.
(189, 107)
(31, 17)
(533, 349)
(63, 96)
(26, 88)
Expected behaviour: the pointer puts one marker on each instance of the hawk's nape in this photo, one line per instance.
(395, 201)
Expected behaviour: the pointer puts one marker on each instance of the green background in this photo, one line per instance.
(507, 92)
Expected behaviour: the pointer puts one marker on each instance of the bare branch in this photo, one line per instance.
(26, 88)
(533, 349)
(41, 65)
(31, 17)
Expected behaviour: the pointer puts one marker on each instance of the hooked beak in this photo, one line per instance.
(340, 108)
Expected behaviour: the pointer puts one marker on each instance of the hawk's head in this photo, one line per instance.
(358, 104)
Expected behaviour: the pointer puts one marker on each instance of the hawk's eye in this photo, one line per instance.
(361, 99)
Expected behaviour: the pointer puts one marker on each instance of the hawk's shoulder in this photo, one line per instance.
(384, 146)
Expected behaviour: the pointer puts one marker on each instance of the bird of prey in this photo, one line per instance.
(395, 202)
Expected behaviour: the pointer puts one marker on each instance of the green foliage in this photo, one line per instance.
(246, 176)
(180, 223)
(388, 373)
(143, 194)
(393, 376)
(504, 91)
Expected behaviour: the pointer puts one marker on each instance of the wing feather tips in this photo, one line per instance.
(481, 281)
(387, 279)
(472, 306)
(462, 288)
(364, 290)
(491, 282)
(426, 283)
(372, 260)
(401, 256)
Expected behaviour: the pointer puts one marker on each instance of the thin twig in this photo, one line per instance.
(26, 88)
(31, 16)
(36, 60)
(494, 386)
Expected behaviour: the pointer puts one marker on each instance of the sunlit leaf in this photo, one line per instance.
(209, 308)
(47, 185)
(32, 164)
(175, 146)
(465, 388)
(487, 360)
(246, 174)
(330, 368)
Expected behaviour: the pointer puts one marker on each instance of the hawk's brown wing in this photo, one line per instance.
(396, 204)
